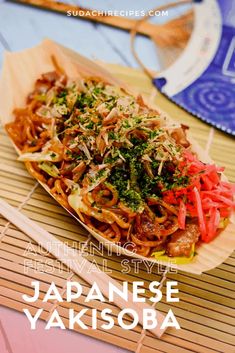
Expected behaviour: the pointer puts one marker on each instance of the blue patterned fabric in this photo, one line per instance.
(211, 97)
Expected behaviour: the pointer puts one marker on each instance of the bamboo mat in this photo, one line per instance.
(206, 308)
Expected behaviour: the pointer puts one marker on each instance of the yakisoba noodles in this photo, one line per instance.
(127, 171)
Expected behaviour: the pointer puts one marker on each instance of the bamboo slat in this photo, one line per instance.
(206, 308)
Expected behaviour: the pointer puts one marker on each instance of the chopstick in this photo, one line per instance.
(75, 261)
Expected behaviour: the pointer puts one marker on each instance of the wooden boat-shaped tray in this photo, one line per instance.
(22, 69)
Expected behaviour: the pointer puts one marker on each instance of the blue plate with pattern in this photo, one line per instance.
(202, 80)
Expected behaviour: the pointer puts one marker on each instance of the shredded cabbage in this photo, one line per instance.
(47, 156)
(50, 169)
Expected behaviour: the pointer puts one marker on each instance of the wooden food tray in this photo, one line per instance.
(206, 308)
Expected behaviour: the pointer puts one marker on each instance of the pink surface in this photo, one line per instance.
(16, 337)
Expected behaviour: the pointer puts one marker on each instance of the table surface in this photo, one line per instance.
(23, 27)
